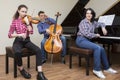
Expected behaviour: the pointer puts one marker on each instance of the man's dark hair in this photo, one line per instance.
(40, 12)
(92, 12)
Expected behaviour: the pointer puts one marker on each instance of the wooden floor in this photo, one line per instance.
(58, 71)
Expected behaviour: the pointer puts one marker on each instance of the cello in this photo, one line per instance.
(53, 44)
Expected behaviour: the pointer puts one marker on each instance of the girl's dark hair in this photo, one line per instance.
(16, 15)
(40, 12)
(92, 12)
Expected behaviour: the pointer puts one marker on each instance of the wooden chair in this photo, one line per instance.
(10, 54)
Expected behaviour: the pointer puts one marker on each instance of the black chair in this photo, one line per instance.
(82, 53)
(10, 54)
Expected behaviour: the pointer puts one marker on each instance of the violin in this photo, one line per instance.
(34, 20)
(53, 44)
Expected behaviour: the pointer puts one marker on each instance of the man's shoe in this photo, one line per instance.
(110, 70)
(25, 74)
(99, 74)
(41, 76)
(63, 60)
(44, 61)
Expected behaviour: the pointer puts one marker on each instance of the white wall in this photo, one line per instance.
(8, 8)
(101, 6)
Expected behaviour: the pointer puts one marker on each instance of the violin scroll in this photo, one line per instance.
(58, 14)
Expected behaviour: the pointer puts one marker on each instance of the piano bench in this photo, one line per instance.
(85, 53)
(10, 53)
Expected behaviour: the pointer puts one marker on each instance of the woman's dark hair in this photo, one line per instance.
(16, 15)
(40, 12)
(92, 12)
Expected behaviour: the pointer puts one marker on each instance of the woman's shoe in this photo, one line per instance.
(25, 74)
(41, 76)
(99, 74)
(110, 70)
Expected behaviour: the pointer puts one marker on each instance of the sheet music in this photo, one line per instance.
(107, 19)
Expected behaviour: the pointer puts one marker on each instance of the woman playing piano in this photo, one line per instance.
(85, 33)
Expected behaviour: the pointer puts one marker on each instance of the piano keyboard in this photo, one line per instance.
(102, 37)
(107, 37)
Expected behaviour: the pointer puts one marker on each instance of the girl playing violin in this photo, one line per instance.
(22, 39)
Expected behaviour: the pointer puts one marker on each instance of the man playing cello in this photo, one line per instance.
(43, 26)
